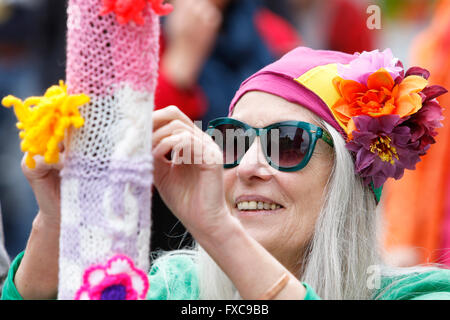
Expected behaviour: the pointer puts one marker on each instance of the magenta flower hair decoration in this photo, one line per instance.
(389, 115)
(119, 279)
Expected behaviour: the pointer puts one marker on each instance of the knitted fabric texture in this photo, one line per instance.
(107, 176)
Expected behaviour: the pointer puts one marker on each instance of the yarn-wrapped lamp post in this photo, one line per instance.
(112, 56)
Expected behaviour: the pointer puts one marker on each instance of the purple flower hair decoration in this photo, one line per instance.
(383, 148)
(423, 123)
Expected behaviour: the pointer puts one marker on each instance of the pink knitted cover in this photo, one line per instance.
(107, 176)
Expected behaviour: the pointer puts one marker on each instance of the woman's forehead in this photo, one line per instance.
(260, 109)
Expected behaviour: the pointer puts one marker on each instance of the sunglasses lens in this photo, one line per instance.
(233, 140)
(287, 146)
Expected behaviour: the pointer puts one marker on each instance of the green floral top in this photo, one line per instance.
(176, 278)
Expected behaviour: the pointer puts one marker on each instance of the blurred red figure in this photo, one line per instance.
(335, 24)
(417, 207)
(348, 31)
(190, 34)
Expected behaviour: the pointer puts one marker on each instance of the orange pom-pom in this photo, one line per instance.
(131, 10)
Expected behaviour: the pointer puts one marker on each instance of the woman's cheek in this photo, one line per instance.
(229, 180)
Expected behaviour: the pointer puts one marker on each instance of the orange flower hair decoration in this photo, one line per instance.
(389, 116)
(43, 121)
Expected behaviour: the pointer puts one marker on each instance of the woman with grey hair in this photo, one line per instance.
(281, 196)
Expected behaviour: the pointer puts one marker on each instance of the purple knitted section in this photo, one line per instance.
(91, 190)
(66, 247)
(117, 171)
(110, 214)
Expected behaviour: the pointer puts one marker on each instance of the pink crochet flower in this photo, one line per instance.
(119, 279)
(131, 10)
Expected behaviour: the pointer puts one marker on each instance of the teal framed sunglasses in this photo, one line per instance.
(287, 145)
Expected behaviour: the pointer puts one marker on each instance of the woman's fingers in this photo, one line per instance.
(186, 147)
(170, 121)
(211, 153)
(163, 116)
(171, 143)
(173, 127)
(45, 180)
(41, 170)
(61, 147)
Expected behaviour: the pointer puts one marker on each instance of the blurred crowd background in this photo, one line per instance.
(208, 47)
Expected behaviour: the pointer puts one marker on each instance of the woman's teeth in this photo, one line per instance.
(257, 205)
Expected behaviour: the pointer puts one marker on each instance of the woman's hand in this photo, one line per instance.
(37, 275)
(45, 182)
(191, 184)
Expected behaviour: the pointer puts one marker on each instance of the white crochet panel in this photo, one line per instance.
(107, 176)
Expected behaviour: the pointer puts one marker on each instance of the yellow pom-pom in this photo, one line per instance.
(43, 121)
(29, 161)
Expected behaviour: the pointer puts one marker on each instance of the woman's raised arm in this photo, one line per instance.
(37, 275)
(192, 186)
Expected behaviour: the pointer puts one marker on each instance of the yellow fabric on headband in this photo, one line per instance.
(320, 81)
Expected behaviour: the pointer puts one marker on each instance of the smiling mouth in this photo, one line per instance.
(257, 206)
(251, 208)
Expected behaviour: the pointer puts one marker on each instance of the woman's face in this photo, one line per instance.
(284, 232)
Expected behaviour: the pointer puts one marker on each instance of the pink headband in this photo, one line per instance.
(277, 78)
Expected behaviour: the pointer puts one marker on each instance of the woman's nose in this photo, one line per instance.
(253, 164)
